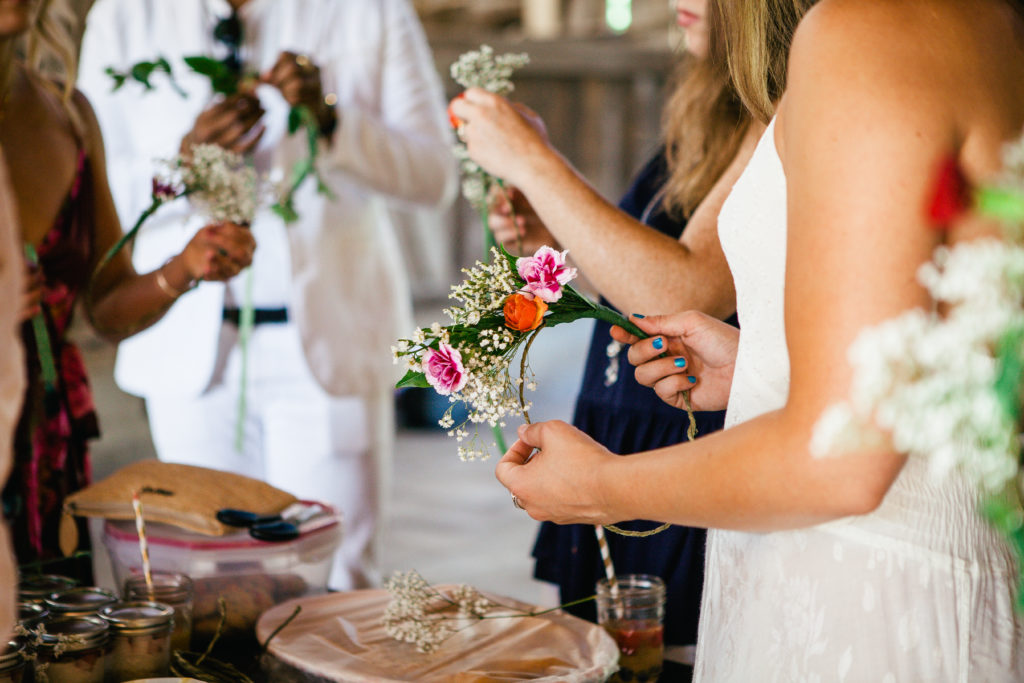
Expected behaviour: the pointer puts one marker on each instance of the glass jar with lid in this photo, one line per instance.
(38, 587)
(31, 615)
(73, 650)
(13, 660)
(79, 602)
(140, 639)
(169, 588)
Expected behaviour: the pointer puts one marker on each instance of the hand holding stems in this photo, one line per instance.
(300, 84)
(514, 223)
(686, 352)
(217, 252)
(232, 123)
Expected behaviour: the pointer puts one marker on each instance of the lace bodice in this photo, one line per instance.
(919, 590)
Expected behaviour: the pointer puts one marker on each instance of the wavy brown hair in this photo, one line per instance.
(704, 123)
(758, 35)
(46, 48)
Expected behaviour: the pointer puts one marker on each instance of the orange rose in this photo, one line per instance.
(524, 313)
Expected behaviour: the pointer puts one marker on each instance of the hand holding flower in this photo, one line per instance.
(686, 352)
(554, 470)
(514, 222)
(217, 252)
(232, 123)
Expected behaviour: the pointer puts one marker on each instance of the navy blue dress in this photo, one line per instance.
(627, 418)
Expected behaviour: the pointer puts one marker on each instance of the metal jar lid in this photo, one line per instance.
(12, 657)
(138, 618)
(31, 614)
(38, 587)
(75, 633)
(79, 601)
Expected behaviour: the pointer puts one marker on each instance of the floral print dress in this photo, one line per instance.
(51, 458)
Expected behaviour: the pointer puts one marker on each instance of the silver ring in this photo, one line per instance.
(515, 501)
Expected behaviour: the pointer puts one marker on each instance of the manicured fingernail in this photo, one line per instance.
(680, 362)
(639, 315)
(658, 343)
(692, 379)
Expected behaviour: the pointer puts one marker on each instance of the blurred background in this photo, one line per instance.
(597, 74)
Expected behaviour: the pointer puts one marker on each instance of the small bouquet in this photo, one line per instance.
(503, 306)
(947, 386)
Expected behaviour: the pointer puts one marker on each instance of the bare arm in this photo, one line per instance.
(634, 267)
(860, 132)
(121, 302)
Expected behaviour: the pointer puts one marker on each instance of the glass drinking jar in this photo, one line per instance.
(31, 614)
(634, 615)
(38, 587)
(12, 662)
(73, 650)
(169, 588)
(79, 602)
(140, 640)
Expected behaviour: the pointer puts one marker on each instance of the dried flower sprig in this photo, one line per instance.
(946, 387)
(426, 615)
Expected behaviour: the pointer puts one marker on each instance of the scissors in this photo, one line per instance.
(284, 526)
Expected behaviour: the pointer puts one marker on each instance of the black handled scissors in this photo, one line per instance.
(279, 527)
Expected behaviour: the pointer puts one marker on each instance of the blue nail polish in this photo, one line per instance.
(680, 362)
(692, 379)
(658, 343)
(639, 315)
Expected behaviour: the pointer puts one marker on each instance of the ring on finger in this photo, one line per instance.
(516, 503)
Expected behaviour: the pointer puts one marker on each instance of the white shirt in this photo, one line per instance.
(338, 268)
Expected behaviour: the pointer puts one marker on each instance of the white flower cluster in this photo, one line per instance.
(483, 69)
(423, 615)
(484, 290)
(930, 380)
(221, 184)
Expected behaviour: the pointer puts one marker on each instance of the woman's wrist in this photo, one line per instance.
(173, 277)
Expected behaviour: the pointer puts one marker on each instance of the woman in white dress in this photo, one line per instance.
(856, 567)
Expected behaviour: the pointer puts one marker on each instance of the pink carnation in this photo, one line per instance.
(444, 370)
(545, 273)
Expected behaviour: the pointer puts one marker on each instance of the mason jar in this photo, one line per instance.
(169, 588)
(633, 614)
(13, 661)
(31, 615)
(38, 587)
(73, 650)
(79, 602)
(140, 640)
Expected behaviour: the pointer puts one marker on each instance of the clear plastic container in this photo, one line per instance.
(13, 663)
(79, 602)
(169, 588)
(140, 640)
(251, 575)
(73, 650)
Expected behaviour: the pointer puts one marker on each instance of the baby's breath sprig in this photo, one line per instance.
(426, 616)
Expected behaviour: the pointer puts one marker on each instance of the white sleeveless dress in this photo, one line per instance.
(919, 590)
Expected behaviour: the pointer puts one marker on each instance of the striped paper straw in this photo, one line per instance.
(140, 526)
(609, 568)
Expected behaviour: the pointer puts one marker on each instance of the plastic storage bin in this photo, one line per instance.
(251, 575)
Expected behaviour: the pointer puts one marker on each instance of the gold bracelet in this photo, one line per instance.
(163, 284)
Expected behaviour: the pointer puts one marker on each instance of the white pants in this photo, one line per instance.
(296, 437)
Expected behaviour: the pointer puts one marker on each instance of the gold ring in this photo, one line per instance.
(302, 61)
(516, 503)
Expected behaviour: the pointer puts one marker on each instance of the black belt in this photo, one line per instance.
(260, 316)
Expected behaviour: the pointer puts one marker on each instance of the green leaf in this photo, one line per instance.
(286, 211)
(1001, 203)
(294, 120)
(222, 78)
(141, 73)
(413, 379)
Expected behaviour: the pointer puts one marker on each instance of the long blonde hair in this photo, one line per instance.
(758, 35)
(46, 48)
(704, 122)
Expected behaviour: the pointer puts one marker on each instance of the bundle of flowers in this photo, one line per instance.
(482, 69)
(503, 305)
(946, 386)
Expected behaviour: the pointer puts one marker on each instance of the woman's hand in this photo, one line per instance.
(32, 293)
(299, 81)
(504, 137)
(557, 481)
(688, 351)
(232, 123)
(515, 224)
(218, 252)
